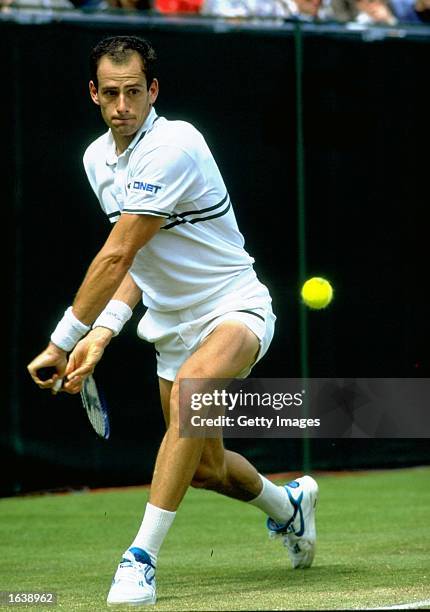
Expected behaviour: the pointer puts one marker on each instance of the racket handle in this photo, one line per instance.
(45, 373)
(57, 385)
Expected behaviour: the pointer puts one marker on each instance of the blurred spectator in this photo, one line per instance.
(411, 11)
(245, 8)
(137, 5)
(365, 12)
(35, 4)
(70, 4)
(304, 10)
(371, 12)
(178, 6)
(309, 10)
(343, 10)
(107, 4)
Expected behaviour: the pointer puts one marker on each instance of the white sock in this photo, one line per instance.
(274, 501)
(155, 525)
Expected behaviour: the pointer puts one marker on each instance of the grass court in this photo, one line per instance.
(373, 548)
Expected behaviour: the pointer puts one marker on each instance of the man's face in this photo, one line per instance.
(123, 96)
(309, 7)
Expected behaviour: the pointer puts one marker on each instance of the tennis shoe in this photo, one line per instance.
(134, 580)
(298, 534)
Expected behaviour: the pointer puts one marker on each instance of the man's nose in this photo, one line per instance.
(121, 104)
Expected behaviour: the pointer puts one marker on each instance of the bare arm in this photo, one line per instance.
(110, 266)
(107, 277)
(128, 292)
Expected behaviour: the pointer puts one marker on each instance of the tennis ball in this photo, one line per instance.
(317, 293)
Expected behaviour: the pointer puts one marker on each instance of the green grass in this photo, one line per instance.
(373, 548)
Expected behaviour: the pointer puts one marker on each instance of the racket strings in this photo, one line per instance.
(94, 407)
(97, 419)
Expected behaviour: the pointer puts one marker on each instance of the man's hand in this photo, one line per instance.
(84, 358)
(51, 357)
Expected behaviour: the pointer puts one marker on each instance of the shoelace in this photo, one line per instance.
(134, 570)
(128, 572)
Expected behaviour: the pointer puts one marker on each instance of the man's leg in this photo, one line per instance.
(291, 509)
(205, 463)
(228, 350)
(230, 474)
(219, 469)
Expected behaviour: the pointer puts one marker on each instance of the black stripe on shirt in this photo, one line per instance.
(253, 313)
(223, 212)
(181, 216)
(147, 211)
(204, 210)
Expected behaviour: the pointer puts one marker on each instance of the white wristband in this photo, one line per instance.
(114, 316)
(69, 331)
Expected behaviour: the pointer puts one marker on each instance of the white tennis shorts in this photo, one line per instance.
(178, 334)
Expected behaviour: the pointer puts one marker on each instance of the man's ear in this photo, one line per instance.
(93, 93)
(153, 91)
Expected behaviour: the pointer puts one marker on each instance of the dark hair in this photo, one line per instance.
(119, 49)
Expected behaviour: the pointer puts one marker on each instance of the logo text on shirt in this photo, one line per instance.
(146, 186)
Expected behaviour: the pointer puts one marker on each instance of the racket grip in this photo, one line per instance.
(45, 373)
(57, 385)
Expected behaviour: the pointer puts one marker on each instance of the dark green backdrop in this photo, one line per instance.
(322, 136)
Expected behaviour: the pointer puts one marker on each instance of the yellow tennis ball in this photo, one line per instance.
(317, 293)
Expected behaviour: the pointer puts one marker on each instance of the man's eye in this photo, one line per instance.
(134, 92)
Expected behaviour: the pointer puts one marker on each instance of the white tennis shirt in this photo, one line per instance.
(168, 171)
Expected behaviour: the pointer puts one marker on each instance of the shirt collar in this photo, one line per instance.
(111, 156)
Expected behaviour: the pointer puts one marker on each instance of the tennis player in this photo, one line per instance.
(175, 244)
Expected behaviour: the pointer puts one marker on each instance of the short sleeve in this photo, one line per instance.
(158, 180)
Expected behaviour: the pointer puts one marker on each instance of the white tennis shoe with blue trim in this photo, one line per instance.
(134, 580)
(299, 533)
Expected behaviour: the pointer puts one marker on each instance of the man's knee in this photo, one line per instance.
(209, 477)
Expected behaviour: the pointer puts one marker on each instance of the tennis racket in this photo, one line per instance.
(96, 407)
(93, 402)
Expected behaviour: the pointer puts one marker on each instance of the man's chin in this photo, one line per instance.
(124, 128)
